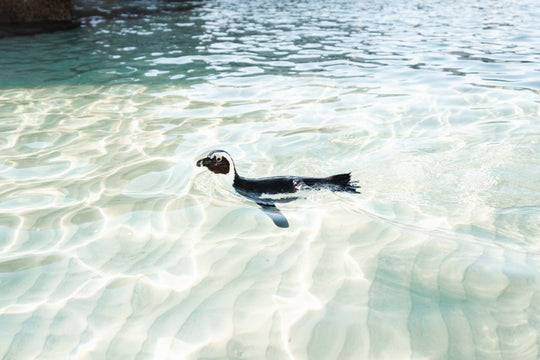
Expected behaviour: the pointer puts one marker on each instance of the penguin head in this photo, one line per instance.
(219, 162)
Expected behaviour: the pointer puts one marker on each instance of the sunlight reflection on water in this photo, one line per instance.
(114, 245)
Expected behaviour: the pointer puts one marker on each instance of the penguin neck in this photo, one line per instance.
(229, 178)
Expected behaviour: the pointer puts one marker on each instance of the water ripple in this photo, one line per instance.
(114, 245)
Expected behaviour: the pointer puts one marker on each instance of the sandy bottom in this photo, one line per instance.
(114, 245)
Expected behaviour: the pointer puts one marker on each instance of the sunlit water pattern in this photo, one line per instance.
(115, 246)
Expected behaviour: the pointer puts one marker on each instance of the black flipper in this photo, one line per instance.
(268, 206)
(273, 213)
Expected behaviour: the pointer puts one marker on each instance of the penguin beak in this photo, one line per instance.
(204, 162)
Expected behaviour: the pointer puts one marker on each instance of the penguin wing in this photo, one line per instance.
(268, 206)
(273, 213)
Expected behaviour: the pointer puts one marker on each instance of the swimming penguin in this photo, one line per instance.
(221, 162)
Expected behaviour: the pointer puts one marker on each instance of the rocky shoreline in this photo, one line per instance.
(36, 16)
(31, 17)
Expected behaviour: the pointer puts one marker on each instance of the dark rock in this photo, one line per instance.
(26, 17)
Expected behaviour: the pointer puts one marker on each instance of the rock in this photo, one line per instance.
(24, 17)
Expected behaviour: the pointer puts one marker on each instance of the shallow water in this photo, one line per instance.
(114, 245)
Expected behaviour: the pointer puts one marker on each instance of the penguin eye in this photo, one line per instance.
(218, 158)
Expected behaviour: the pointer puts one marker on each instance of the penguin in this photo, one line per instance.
(258, 189)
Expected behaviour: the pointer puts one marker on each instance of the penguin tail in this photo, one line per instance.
(342, 182)
(340, 179)
(339, 182)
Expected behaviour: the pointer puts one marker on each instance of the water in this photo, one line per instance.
(114, 245)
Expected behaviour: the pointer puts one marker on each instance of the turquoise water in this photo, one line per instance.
(114, 245)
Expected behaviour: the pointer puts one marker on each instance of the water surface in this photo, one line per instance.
(114, 245)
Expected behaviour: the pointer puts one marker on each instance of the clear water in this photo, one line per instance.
(114, 245)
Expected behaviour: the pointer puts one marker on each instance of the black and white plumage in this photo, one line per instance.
(221, 162)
